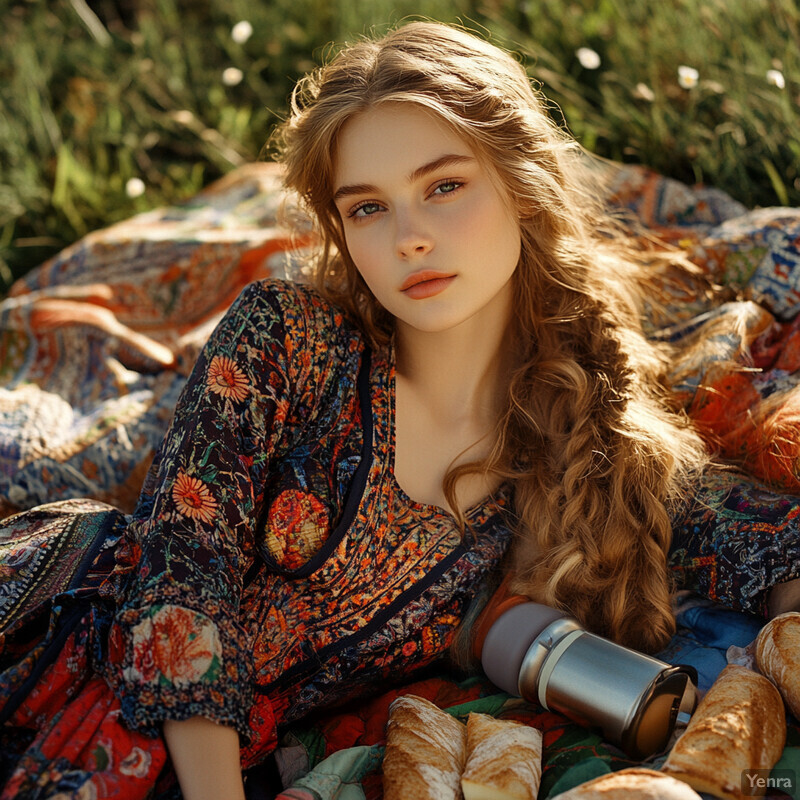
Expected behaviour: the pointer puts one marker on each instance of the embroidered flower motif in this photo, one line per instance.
(227, 379)
(297, 525)
(144, 665)
(193, 498)
(136, 763)
(187, 646)
(175, 646)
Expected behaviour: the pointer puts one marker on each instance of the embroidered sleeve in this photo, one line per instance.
(177, 646)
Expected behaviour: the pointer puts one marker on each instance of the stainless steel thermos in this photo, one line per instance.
(546, 657)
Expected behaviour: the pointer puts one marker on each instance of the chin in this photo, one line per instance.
(431, 323)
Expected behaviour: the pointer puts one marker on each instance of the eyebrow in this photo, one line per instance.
(449, 160)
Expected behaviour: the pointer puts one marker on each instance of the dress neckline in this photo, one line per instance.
(484, 507)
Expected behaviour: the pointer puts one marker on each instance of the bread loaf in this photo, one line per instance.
(425, 752)
(778, 656)
(740, 725)
(636, 783)
(504, 760)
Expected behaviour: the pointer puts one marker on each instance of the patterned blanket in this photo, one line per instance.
(96, 344)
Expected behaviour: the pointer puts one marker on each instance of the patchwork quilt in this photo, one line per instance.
(96, 344)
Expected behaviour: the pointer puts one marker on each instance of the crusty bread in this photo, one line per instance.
(504, 760)
(636, 783)
(739, 725)
(778, 656)
(425, 752)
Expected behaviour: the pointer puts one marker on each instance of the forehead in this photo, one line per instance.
(392, 139)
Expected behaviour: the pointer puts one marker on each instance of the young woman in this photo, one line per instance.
(465, 393)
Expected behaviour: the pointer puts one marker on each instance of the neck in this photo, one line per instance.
(458, 373)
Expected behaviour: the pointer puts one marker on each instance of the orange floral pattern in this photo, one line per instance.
(227, 379)
(296, 527)
(137, 763)
(177, 646)
(193, 498)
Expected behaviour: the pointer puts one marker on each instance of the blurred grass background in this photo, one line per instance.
(111, 108)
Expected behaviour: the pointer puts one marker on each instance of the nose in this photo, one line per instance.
(412, 239)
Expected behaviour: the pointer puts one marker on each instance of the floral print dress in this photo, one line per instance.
(272, 567)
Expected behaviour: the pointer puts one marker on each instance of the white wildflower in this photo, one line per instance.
(241, 31)
(644, 92)
(687, 77)
(588, 58)
(775, 77)
(135, 187)
(232, 76)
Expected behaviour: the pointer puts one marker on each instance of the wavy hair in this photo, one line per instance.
(587, 436)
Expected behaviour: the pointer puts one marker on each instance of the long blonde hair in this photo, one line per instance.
(586, 437)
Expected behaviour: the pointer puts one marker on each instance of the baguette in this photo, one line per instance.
(739, 727)
(425, 752)
(635, 783)
(504, 760)
(778, 656)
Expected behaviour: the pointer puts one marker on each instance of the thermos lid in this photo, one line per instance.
(508, 641)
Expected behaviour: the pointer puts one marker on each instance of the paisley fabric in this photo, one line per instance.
(48, 551)
(96, 344)
(737, 541)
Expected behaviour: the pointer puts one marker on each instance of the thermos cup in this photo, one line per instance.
(546, 657)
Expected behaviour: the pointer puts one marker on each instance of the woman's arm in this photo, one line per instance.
(180, 643)
(205, 756)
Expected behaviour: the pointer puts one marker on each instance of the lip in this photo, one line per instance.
(426, 276)
(426, 283)
(429, 288)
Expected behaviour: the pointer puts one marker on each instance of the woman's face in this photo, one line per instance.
(426, 222)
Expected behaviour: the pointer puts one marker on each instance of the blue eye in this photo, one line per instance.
(448, 187)
(367, 208)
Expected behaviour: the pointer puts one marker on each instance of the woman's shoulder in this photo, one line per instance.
(305, 335)
(304, 310)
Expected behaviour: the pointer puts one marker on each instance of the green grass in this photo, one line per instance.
(734, 129)
(91, 100)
